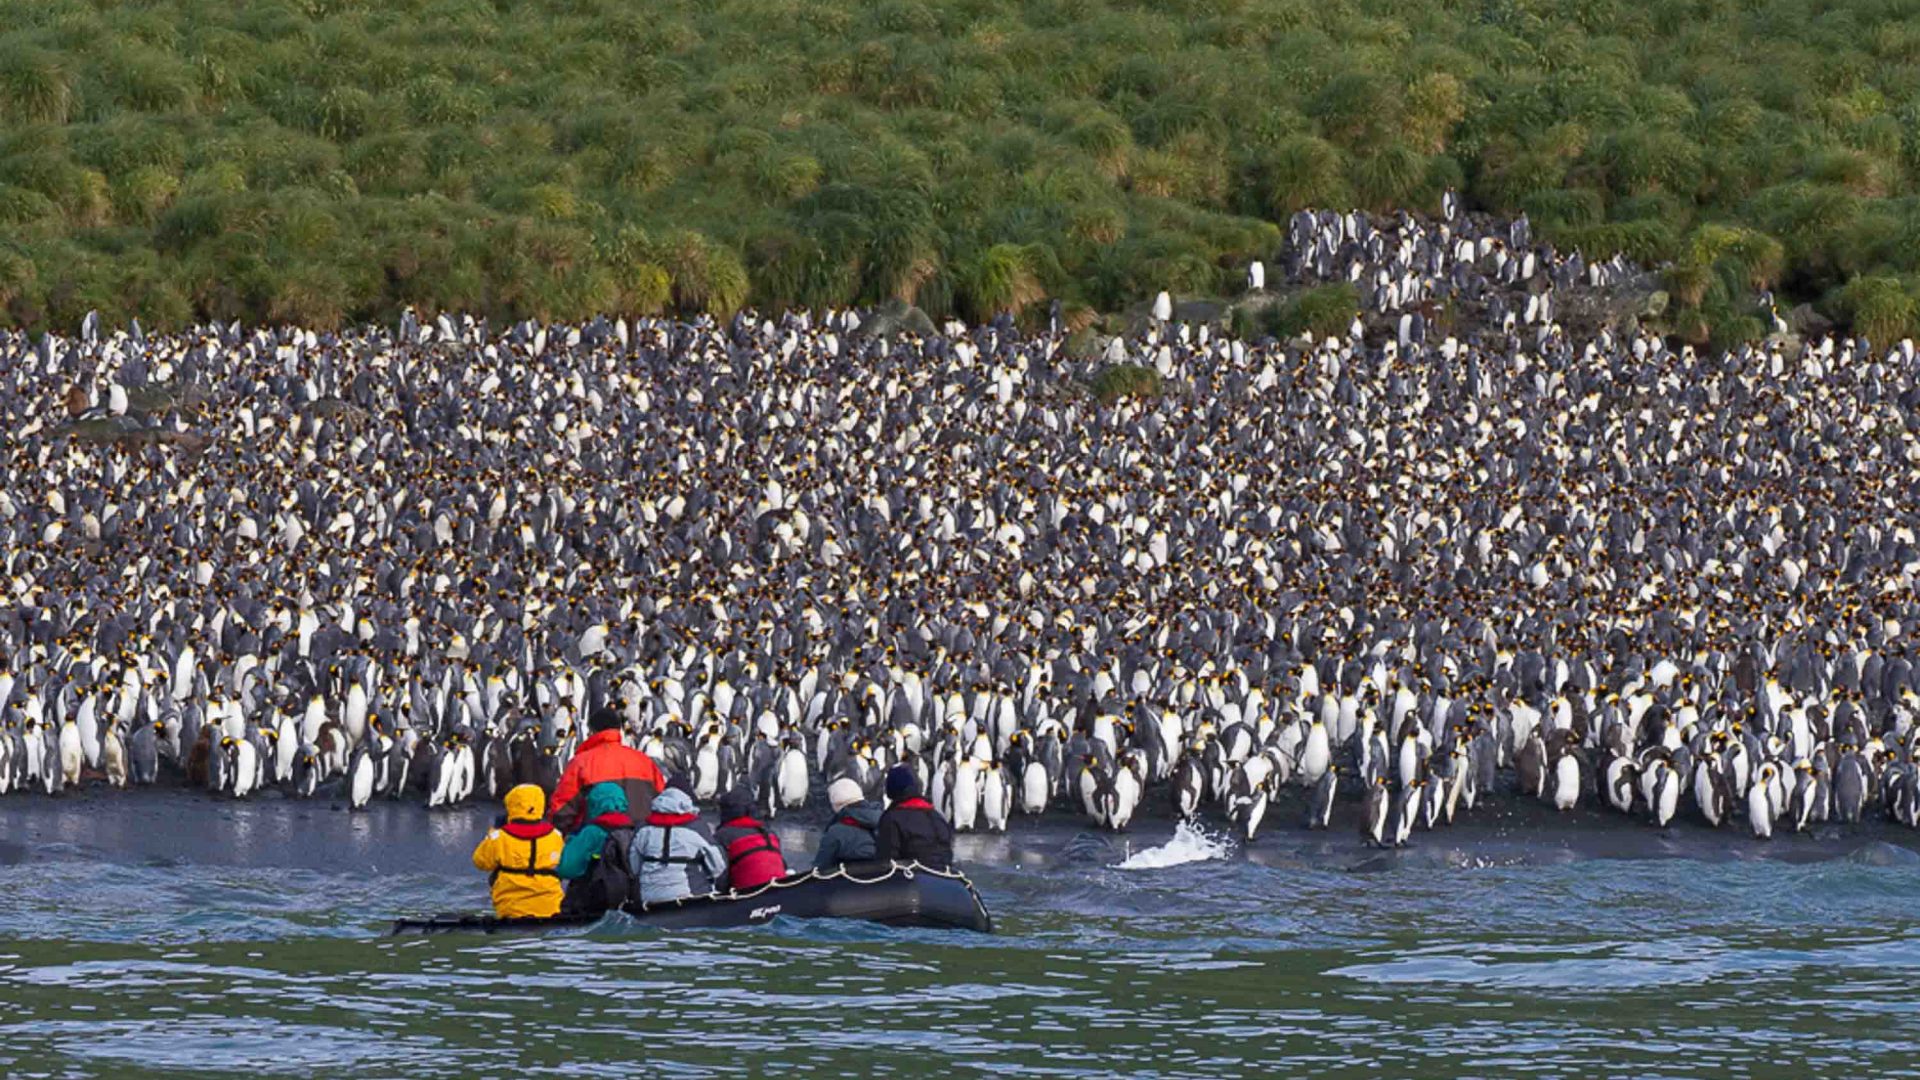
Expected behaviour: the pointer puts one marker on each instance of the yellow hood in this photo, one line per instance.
(526, 803)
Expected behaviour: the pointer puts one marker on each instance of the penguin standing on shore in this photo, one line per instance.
(306, 772)
(360, 777)
(243, 767)
(996, 797)
(1406, 809)
(1760, 807)
(1036, 786)
(1320, 803)
(791, 777)
(1566, 773)
(1850, 787)
(1664, 799)
(115, 758)
(1808, 792)
(1247, 798)
(72, 756)
(1379, 808)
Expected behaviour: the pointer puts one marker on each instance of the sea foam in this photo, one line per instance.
(1190, 843)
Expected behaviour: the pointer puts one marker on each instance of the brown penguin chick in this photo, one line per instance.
(197, 759)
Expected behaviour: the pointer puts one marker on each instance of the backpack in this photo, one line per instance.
(610, 884)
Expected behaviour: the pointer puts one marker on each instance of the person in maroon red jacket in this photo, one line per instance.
(912, 830)
(753, 852)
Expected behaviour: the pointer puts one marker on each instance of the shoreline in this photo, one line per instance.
(173, 827)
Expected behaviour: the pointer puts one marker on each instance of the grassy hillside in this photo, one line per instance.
(324, 160)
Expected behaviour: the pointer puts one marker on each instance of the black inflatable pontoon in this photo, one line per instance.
(898, 894)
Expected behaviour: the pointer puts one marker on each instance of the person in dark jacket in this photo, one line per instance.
(753, 852)
(596, 862)
(912, 830)
(850, 837)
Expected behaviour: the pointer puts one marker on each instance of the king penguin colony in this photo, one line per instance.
(1404, 569)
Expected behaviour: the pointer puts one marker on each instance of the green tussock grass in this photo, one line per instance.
(1126, 380)
(331, 160)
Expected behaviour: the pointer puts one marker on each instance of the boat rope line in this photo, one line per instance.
(838, 873)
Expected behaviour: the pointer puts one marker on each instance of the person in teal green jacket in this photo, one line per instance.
(594, 864)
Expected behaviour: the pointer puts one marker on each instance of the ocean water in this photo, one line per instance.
(210, 944)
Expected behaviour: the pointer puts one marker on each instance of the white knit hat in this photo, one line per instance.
(844, 792)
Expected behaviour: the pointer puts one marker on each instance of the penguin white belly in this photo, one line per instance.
(1703, 792)
(1034, 788)
(1315, 756)
(462, 784)
(996, 799)
(1620, 785)
(1172, 738)
(1190, 789)
(246, 769)
(1760, 812)
(1089, 790)
(440, 780)
(360, 784)
(113, 759)
(1566, 783)
(354, 717)
(793, 779)
(71, 755)
(36, 757)
(1103, 734)
(1377, 807)
(285, 751)
(706, 773)
(1126, 799)
(1255, 812)
(1409, 806)
(1666, 801)
(233, 723)
(92, 743)
(966, 797)
(312, 720)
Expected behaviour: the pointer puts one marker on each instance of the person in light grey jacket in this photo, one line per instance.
(672, 855)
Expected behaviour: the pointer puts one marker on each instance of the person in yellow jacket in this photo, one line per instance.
(522, 854)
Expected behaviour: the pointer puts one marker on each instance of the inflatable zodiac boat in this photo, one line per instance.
(897, 894)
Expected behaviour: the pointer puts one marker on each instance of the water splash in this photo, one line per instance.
(1191, 843)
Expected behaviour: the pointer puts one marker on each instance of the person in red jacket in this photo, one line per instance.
(603, 759)
(753, 852)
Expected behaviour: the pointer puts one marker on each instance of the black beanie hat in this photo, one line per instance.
(737, 803)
